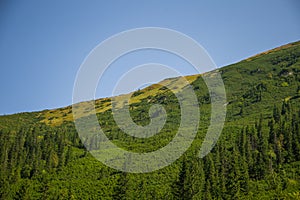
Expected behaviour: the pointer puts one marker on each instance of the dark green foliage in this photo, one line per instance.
(122, 187)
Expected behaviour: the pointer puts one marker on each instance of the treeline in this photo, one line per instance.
(260, 160)
(258, 154)
(33, 152)
(254, 163)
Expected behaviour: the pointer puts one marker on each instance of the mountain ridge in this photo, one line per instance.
(155, 87)
(57, 116)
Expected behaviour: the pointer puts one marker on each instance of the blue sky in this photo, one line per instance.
(43, 43)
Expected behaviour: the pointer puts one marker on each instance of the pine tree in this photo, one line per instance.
(249, 152)
(211, 174)
(207, 193)
(121, 187)
(276, 114)
(278, 150)
(243, 167)
(288, 143)
(179, 190)
(222, 170)
(68, 155)
(296, 137)
(272, 135)
(60, 150)
(4, 147)
(262, 158)
(244, 175)
(195, 179)
(234, 175)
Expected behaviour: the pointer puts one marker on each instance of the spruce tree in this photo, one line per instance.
(121, 187)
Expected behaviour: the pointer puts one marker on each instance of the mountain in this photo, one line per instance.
(256, 157)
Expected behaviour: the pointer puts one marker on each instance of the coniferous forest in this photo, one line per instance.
(256, 157)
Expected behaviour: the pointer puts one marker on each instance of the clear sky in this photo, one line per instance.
(43, 43)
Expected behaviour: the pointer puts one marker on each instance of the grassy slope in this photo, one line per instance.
(238, 78)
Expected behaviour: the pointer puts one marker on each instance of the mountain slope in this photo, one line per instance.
(267, 68)
(257, 156)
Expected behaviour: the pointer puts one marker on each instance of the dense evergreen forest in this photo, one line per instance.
(256, 157)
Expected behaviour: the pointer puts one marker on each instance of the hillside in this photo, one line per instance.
(256, 157)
